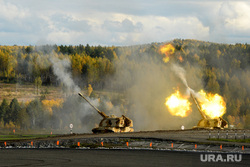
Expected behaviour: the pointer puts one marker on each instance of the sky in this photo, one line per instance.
(122, 22)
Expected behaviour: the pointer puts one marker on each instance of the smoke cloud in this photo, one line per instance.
(61, 70)
(74, 110)
(147, 82)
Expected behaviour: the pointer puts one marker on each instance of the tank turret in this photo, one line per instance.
(209, 123)
(111, 123)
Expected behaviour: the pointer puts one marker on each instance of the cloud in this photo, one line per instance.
(230, 22)
(125, 26)
(122, 22)
(10, 11)
(68, 23)
(163, 28)
(18, 25)
(10, 16)
(238, 17)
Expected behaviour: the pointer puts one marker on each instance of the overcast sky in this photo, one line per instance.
(122, 22)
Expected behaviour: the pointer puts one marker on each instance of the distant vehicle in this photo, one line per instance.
(111, 123)
(208, 123)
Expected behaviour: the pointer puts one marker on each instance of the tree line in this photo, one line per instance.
(45, 114)
(224, 68)
(26, 63)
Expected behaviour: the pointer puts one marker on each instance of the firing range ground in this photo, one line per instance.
(175, 140)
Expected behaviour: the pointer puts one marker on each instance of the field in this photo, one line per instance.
(27, 92)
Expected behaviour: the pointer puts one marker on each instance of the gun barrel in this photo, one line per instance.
(198, 106)
(100, 112)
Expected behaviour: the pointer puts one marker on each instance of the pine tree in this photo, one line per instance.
(5, 112)
(14, 110)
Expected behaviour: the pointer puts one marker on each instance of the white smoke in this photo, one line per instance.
(60, 69)
(180, 72)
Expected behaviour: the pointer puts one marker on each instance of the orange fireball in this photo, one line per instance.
(168, 50)
(212, 105)
(178, 105)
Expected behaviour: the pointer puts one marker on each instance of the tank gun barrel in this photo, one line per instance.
(100, 112)
(198, 106)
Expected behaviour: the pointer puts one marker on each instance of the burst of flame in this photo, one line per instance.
(212, 105)
(167, 49)
(178, 105)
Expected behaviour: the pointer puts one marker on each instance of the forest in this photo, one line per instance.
(220, 68)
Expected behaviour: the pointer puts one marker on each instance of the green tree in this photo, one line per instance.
(88, 49)
(5, 111)
(2, 108)
(35, 112)
(23, 119)
(236, 89)
(226, 92)
(235, 64)
(14, 110)
(38, 83)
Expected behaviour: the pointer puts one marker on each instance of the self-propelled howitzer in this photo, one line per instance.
(209, 123)
(111, 123)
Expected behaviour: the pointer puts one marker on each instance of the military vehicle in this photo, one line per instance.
(209, 123)
(111, 123)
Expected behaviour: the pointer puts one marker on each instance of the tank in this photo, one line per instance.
(111, 123)
(208, 123)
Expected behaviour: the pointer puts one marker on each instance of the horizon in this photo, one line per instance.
(162, 42)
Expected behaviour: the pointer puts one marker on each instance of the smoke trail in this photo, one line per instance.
(180, 72)
(60, 69)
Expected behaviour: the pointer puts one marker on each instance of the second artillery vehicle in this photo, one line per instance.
(209, 123)
(111, 123)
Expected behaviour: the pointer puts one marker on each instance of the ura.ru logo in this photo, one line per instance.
(220, 158)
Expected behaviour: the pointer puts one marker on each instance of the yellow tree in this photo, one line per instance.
(77, 64)
(7, 64)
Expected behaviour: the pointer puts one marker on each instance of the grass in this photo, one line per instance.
(232, 140)
(23, 137)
